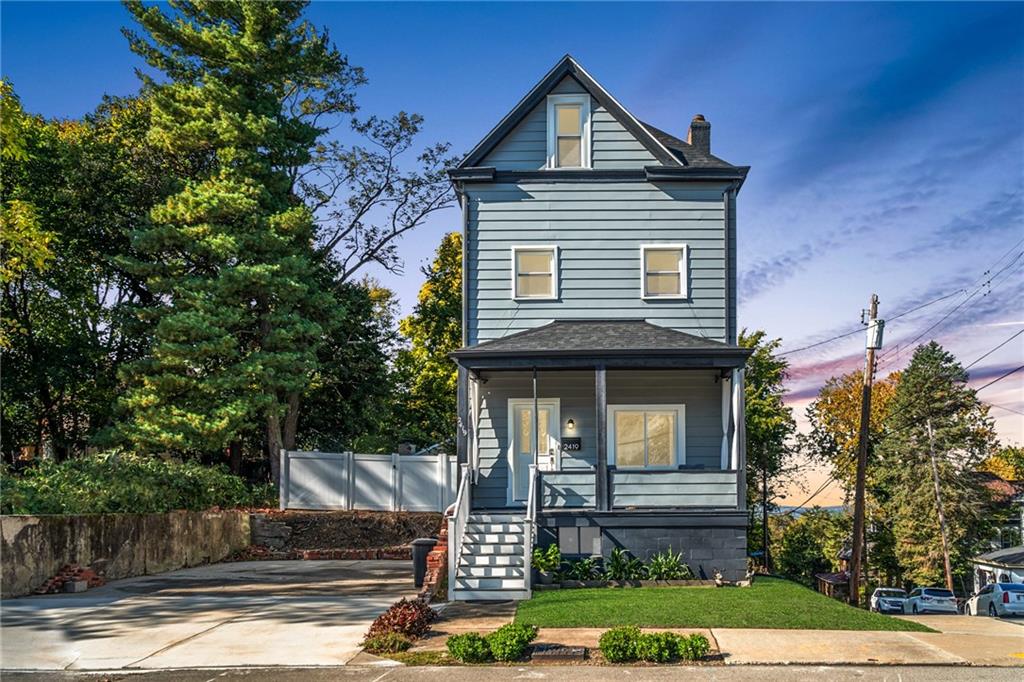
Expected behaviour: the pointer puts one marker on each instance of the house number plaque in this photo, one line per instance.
(572, 444)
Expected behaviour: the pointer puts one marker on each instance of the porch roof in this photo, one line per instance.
(608, 343)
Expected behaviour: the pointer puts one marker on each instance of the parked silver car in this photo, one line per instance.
(997, 599)
(930, 600)
(888, 600)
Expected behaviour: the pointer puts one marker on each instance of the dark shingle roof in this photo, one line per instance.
(598, 337)
(686, 152)
(1011, 556)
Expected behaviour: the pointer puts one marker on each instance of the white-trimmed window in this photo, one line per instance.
(534, 272)
(646, 436)
(569, 131)
(663, 271)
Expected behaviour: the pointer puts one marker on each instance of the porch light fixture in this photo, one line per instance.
(570, 425)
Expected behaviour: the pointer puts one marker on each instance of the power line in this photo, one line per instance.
(1004, 407)
(860, 331)
(999, 378)
(995, 349)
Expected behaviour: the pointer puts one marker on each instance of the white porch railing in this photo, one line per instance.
(457, 528)
(529, 527)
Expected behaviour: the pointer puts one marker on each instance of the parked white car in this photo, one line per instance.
(888, 600)
(997, 599)
(930, 600)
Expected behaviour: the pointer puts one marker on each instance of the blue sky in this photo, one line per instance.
(886, 140)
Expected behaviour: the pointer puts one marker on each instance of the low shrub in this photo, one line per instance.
(390, 643)
(122, 482)
(618, 645)
(658, 647)
(621, 565)
(408, 617)
(694, 647)
(668, 566)
(509, 642)
(469, 648)
(583, 569)
(625, 644)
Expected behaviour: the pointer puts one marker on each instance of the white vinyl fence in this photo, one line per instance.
(346, 480)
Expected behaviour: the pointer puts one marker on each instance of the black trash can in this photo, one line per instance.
(420, 549)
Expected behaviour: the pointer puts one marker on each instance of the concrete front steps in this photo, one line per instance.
(491, 565)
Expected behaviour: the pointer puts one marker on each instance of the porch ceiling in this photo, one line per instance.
(572, 344)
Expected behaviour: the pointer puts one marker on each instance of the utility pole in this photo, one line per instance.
(874, 342)
(938, 503)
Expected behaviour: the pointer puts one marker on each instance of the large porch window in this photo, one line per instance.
(646, 436)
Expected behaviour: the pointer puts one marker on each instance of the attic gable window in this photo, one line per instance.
(569, 131)
(663, 273)
(534, 272)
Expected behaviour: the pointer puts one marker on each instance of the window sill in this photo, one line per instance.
(527, 299)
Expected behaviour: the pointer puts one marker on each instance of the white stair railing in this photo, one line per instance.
(457, 529)
(529, 522)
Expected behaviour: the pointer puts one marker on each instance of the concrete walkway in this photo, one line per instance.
(260, 613)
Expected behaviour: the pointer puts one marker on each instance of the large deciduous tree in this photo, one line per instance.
(230, 255)
(69, 317)
(933, 392)
(434, 329)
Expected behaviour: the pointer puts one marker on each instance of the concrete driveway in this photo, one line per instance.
(259, 613)
(979, 640)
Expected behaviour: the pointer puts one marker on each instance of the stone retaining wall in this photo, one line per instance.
(331, 530)
(34, 548)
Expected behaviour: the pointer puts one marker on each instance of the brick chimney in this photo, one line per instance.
(700, 134)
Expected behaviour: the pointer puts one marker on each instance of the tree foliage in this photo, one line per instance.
(811, 543)
(933, 391)
(434, 329)
(1007, 463)
(769, 422)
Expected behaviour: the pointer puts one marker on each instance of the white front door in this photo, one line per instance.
(520, 454)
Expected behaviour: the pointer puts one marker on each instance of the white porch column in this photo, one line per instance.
(736, 460)
(726, 418)
(474, 427)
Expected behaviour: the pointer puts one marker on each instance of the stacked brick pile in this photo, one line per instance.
(70, 573)
(437, 565)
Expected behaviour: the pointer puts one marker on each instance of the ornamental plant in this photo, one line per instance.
(509, 642)
(547, 560)
(583, 569)
(618, 645)
(469, 647)
(694, 647)
(621, 565)
(408, 617)
(668, 566)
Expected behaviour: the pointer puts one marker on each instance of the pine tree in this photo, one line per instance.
(933, 390)
(230, 256)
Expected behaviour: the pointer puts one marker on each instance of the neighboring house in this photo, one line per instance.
(1007, 509)
(600, 380)
(1003, 566)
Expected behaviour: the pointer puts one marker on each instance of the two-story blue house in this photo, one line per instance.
(600, 380)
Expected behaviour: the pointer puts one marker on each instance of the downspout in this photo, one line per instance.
(460, 190)
(536, 423)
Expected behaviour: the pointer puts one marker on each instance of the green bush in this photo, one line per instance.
(390, 643)
(658, 647)
(618, 645)
(469, 648)
(509, 642)
(120, 482)
(694, 647)
(547, 560)
(623, 566)
(668, 566)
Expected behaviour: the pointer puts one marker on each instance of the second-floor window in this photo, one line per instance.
(663, 271)
(534, 272)
(569, 131)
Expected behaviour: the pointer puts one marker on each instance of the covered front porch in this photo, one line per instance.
(607, 416)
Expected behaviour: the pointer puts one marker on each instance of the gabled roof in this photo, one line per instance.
(669, 150)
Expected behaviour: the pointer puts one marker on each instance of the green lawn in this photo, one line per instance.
(768, 603)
